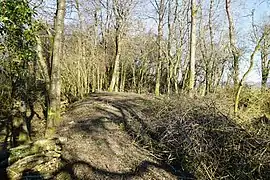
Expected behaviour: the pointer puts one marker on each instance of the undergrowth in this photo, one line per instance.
(200, 140)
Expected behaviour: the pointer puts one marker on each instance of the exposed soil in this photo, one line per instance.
(96, 144)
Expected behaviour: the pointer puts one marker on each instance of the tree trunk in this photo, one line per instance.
(115, 75)
(191, 80)
(240, 85)
(265, 63)
(55, 81)
(265, 74)
(98, 79)
(169, 47)
(123, 77)
(118, 31)
(233, 47)
(134, 77)
(94, 84)
(176, 72)
(220, 74)
(169, 67)
(161, 12)
(158, 74)
(209, 68)
(141, 74)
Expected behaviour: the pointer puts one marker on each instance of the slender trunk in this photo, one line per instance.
(209, 61)
(81, 62)
(140, 85)
(168, 79)
(98, 79)
(115, 75)
(123, 78)
(207, 80)
(55, 81)
(240, 85)
(93, 80)
(219, 77)
(95, 72)
(113, 84)
(42, 63)
(161, 12)
(142, 73)
(102, 77)
(192, 48)
(79, 84)
(158, 74)
(45, 75)
(185, 78)
(233, 47)
(265, 64)
(134, 77)
(265, 74)
(169, 46)
(176, 74)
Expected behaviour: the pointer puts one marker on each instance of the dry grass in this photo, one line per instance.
(130, 136)
(198, 137)
(195, 138)
(98, 145)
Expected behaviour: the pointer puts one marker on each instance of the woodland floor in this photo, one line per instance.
(131, 136)
(98, 145)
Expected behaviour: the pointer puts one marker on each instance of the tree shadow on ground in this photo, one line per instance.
(125, 112)
(29, 174)
(70, 168)
(196, 136)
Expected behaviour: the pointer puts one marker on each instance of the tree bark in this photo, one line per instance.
(121, 12)
(240, 85)
(115, 75)
(233, 47)
(81, 62)
(134, 77)
(55, 80)
(161, 13)
(192, 48)
(123, 77)
(265, 62)
(210, 61)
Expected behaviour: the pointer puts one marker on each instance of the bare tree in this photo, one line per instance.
(251, 65)
(160, 10)
(234, 49)
(55, 79)
(192, 58)
(121, 10)
(172, 58)
(265, 55)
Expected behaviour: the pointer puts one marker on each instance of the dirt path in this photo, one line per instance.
(97, 145)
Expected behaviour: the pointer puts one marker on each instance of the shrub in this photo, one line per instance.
(199, 141)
